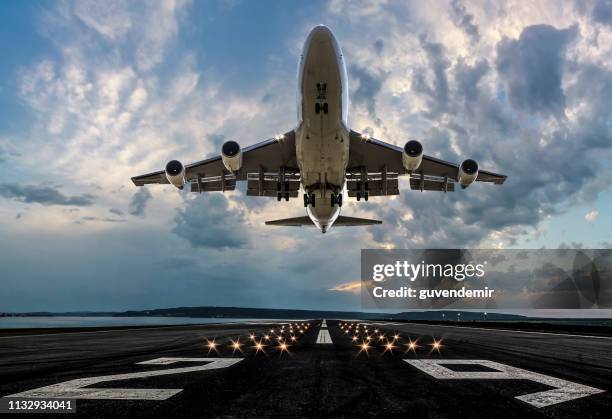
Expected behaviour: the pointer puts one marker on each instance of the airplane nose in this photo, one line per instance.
(320, 33)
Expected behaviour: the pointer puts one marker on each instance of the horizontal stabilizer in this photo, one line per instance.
(341, 221)
(291, 222)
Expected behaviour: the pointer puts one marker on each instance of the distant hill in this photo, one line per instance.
(270, 313)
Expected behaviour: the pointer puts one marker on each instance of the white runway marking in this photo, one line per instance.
(562, 390)
(73, 389)
(324, 336)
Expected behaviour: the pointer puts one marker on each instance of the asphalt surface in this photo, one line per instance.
(341, 378)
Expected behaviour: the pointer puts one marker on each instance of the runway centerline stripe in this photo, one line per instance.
(324, 337)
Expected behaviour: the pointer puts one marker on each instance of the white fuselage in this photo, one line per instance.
(322, 134)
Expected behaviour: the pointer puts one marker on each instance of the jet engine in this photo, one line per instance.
(413, 155)
(175, 173)
(231, 154)
(468, 172)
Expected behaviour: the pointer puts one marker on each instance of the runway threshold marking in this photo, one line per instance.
(74, 389)
(562, 390)
(323, 336)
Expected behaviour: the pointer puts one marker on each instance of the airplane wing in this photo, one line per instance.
(380, 164)
(341, 221)
(262, 165)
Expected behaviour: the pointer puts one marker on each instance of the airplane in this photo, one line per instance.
(321, 156)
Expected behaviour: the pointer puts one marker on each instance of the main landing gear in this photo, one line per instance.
(309, 198)
(365, 195)
(336, 199)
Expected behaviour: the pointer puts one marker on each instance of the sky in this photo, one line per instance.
(93, 93)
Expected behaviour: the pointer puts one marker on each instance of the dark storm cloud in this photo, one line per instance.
(548, 171)
(216, 141)
(45, 195)
(139, 200)
(369, 86)
(467, 78)
(602, 12)
(464, 20)
(436, 92)
(208, 222)
(104, 220)
(532, 68)
(379, 45)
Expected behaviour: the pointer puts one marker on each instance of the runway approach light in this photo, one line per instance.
(293, 338)
(212, 346)
(412, 346)
(259, 347)
(436, 344)
(354, 338)
(396, 336)
(389, 347)
(267, 337)
(252, 337)
(236, 345)
(282, 347)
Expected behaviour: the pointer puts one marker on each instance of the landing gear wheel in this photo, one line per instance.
(366, 196)
(287, 196)
(317, 108)
(306, 200)
(278, 196)
(312, 200)
(325, 108)
(339, 200)
(358, 196)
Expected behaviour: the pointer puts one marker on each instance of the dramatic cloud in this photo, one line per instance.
(117, 90)
(208, 221)
(532, 68)
(368, 87)
(139, 200)
(464, 20)
(45, 195)
(591, 216)
(602, 12)
(353, 287)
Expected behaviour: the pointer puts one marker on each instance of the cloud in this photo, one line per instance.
(532, 68)
(115, 211)
(45, 195)
(591, 216)
(368, 87)
(352, 287)
(464, 20)
(602, 12)
(139, 200)
(436, 91)
(208, 221)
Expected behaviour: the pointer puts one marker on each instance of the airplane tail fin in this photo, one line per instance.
(341, 221)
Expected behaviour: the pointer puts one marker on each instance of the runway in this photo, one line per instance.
(331, 367)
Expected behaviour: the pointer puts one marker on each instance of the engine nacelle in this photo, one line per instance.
(231, 154)
(468, 172)
(413, 155)
(175, 173)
